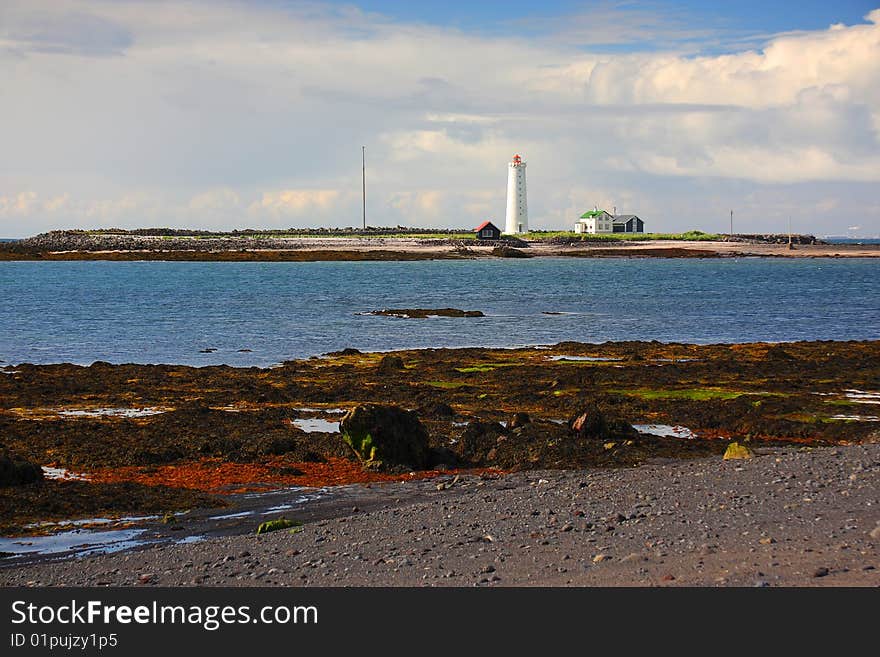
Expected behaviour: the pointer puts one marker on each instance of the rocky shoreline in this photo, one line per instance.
(80, 245)
(145, 439)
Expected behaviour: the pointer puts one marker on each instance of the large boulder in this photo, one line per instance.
(17, 473)
(386, 437)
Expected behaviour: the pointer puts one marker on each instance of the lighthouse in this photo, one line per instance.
(517, 205)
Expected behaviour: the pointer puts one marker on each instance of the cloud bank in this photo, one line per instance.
(227, 115)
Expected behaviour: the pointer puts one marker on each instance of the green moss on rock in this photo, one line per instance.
(386, 437)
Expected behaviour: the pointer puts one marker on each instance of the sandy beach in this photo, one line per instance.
(789, 517)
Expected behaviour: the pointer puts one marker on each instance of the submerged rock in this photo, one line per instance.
(386, 437)
(422, 313)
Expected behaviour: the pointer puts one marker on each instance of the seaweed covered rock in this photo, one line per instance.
(591, 424)
(437, 409)
(386, 437)
(391, 364)
(479, 440)
(17, 473)
(518, 420)
(736, 451)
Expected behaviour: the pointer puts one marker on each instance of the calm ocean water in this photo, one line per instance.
(164, 312)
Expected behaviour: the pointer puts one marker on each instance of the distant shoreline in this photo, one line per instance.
(79, 245)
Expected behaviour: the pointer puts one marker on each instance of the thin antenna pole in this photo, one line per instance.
(731, 223)
(364, 181)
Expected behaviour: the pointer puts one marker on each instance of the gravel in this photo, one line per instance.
(788, 517)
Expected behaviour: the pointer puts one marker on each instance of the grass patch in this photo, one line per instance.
(485, 367)
(446, 385)
(693, 394)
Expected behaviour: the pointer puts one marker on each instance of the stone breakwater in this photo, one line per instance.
(62, 241)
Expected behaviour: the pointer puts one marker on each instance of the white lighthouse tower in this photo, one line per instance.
(517, 205)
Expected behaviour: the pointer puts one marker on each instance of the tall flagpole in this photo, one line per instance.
(364, 181)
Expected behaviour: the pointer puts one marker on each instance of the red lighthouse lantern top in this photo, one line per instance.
(517, 159)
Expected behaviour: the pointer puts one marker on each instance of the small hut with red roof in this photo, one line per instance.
(488, 231)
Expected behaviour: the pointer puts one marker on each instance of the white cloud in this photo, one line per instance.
(294, 202)
(420, 205)
(231, 114)
(215, 200)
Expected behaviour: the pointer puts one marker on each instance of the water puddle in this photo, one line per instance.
(195, 538)
(665, 431)
(280, 507)
(316, 425)
(230, 516)
(82, 522)
(79, 538)
(63, 474)
(862, 396)
(78, 542)
(111, 412)
(677, 360)
(587, 359)
(858, 418)
(328, 411)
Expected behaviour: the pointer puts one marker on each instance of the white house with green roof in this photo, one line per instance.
(598, 221)
(595, 221)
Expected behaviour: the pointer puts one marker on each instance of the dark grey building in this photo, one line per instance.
(628, 223)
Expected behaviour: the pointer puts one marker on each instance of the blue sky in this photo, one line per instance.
(252, 113)
(511, 16)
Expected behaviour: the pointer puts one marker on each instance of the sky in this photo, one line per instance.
(231, 114)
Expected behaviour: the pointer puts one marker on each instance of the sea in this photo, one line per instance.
(261, 314)
(852, 240)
